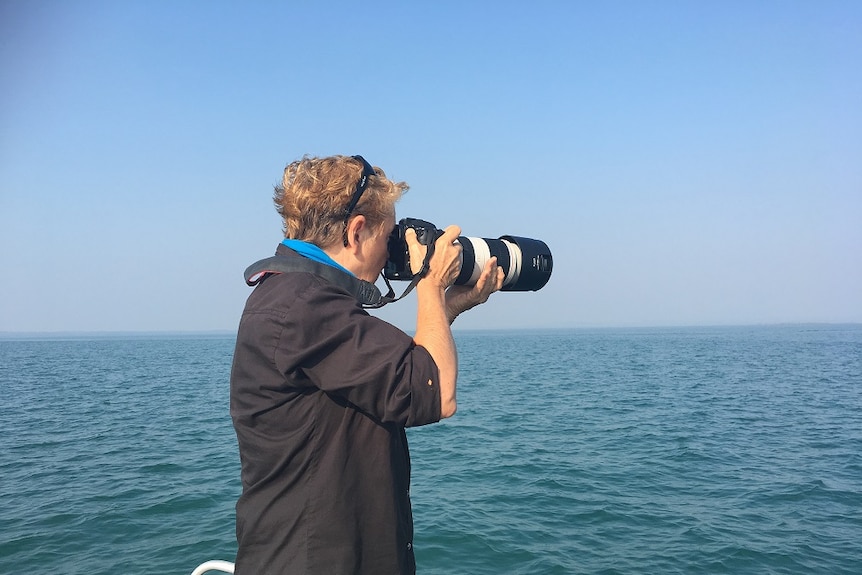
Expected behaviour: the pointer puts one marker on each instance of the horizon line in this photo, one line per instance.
(222, 332)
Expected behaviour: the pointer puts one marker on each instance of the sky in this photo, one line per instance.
(687, 162)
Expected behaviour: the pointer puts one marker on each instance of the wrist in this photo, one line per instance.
(430, 286)
(451, 315)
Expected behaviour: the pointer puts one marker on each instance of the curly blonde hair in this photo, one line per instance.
(314, 193)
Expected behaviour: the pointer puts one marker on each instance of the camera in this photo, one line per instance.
(526, 263)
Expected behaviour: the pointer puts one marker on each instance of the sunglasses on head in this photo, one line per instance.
(367, 170)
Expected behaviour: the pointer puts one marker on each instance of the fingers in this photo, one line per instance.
(501, 276)
(446, 261)
(493, 274)
(445, 264)
(490, 280)
(460, 298)
(451, 234)
(417, 250)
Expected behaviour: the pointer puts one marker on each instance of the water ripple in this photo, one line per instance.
(609, 451)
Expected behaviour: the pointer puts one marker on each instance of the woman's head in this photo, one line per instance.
(315, 193)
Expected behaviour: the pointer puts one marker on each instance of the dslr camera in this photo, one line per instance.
(526, 263)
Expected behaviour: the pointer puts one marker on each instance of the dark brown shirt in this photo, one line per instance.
(320, 395)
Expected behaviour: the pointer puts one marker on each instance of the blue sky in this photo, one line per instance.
(688, 162)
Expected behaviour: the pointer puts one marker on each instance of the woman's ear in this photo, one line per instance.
(354, 227)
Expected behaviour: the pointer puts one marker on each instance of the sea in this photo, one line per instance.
(595, 451)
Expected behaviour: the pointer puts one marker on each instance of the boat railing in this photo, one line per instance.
(223, 566)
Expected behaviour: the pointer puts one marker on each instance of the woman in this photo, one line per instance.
(321, 391)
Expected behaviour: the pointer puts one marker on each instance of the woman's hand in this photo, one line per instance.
(461, 298)
(445, 264)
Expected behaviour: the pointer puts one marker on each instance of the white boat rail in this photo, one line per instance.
(223, 566)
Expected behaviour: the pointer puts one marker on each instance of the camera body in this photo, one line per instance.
(527, 263)
(398, 265)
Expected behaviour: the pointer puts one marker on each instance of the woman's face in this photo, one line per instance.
(378, 250)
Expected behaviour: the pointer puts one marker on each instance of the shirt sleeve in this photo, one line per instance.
(329, 342)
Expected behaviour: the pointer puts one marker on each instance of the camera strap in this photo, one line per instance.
(389, 297)
(366, 293)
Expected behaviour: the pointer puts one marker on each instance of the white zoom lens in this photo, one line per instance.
(526, 263)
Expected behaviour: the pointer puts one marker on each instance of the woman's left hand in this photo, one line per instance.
(460, 298)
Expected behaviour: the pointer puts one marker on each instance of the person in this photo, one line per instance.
(321, 391)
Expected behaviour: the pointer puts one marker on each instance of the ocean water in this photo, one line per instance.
(691, 450)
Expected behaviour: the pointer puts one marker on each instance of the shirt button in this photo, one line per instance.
(409, 546)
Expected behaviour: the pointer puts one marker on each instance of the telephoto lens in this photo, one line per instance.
(526, 263)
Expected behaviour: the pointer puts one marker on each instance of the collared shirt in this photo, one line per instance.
(313, 252)
(320, 395)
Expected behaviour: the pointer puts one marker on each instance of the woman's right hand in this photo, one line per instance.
(445, 264)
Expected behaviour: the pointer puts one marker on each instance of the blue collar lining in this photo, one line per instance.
(313, 252)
